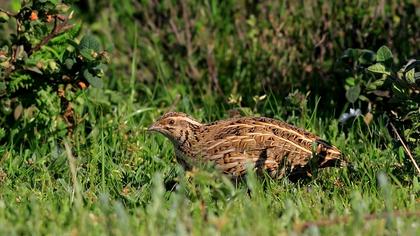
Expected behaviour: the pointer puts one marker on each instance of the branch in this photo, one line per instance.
(405, 148)
(8, 13)
(58, 28)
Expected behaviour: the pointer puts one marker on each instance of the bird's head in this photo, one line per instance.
(176, 126)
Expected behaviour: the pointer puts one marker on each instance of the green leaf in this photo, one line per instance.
(87, 54)
(3, 88)
(353, 93)
(73, 43)
(410, 76)
(351, 81)
(375, 84)
(100, 67)
(416, 184)
(363, 98)
(398, 91)
(416, 76)
(2, 133)
(68, 35)
(89, 42)
(3, 17)
(69, 63)
(384, 54)
(74, 31)
(379, 68)
(366, 57)
(93, 80)
(350, 53)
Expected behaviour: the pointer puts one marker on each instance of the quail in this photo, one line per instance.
(269, 145)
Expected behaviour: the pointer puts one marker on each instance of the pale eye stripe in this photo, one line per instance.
(189, 120)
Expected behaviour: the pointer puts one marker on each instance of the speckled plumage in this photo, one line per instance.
(267, 144)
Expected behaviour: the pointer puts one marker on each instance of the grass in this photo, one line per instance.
(118, 180)
(112, 177)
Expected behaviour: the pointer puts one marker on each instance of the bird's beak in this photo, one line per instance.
(153, 127)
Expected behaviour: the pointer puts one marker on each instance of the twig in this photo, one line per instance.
(187, 19)
(8, 13)
(346, 219)
(57, 29)
(324, 36)
(211, 64)
(175, 31)
(73, 173)
(174, 103)
(405, 148)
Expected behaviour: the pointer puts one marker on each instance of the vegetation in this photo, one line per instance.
(43, 70)
(75, 157)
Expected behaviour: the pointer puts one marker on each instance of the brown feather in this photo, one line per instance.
(267, 144)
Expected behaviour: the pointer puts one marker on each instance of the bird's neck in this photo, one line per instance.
(188, 138)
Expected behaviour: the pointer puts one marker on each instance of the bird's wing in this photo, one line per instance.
(264, 145)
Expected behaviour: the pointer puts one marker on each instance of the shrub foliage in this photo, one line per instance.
(43, 69)
(377, 86)
(251, 48)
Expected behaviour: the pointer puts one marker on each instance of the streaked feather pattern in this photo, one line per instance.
(267, 144)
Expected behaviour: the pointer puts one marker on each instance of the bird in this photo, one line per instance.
(265, 144)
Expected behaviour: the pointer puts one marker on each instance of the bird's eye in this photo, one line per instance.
(171, 122)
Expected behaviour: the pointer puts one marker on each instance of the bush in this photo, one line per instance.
(249, 48)
(43, 69)
(375, 85)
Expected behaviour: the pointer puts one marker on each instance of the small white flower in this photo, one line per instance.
(353, 113)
